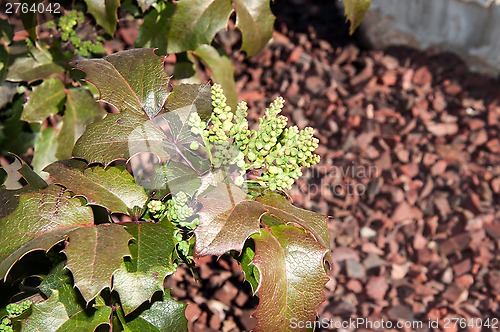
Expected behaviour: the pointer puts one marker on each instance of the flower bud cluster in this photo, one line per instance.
(6, 325)
(265, 139)
(216, 137)
(16, 309)
(294, 151)
(239, 131)
(277, 151)
(156, 209)
(180, 213)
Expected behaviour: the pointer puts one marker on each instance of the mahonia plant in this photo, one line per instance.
(67, 27)
(215, 187)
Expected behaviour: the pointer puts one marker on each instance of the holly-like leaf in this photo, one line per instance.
(222, 71)
(105, 13)
(56, 143)
(46, 316)
(151, 261)
(87, 321)
(42, 219)
(313, 222)
(292, 277)
(45, 149)
(33, 179)
(355, 11)
(153, 32)
(94, 254)
(113, 188)
(256, 22)
(7, 92)
(165, 315)
(120, 136)
(196, 22)
(9, 199)
(227, 219)
(38, 65)
(45, 100)
(131, 80)
(251, 272)
(80, 111)
(52, 315)
(59, 279)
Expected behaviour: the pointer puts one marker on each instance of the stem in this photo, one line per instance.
(209, 149)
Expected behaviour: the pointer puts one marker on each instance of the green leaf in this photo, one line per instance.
(29, 19)
(56, 143)
(120, 136)
(41, 241)
(113, 188)
(222, 71)
(227, 219)
(185, 68)
(129, 80)
(59, 279)
(151, 262)
(6, 32)
(88, 321)
(42, 219)
(16, 136)
(196, 22)
(94, 254)
(51, 315)
(165, 315)
(9, 199)
(45, 100)
(256, 22)
(38, 65)
(45, 149)
(292, 277)
(7, 93)
(80, 111)
(355, 11)
(105, 13)
(46, 316)
(251, 272)
(29, 175)
(313, 222)
(153, 32)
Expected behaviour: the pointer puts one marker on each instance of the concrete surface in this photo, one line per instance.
(471, 28)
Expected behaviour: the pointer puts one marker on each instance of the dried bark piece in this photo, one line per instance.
(376, 288)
